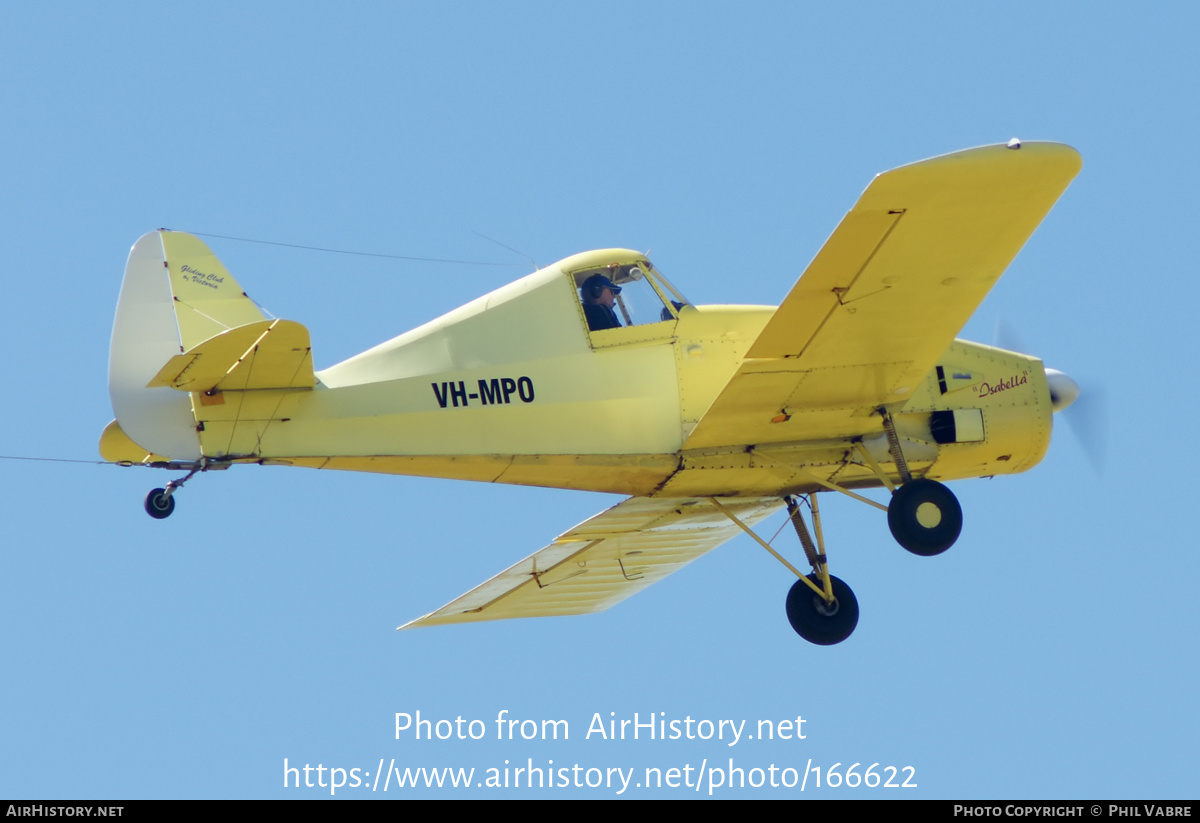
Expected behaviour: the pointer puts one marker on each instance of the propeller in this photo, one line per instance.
(1086, 413)
(1086, 409)
(1063, 390)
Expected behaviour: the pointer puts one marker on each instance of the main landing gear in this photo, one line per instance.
(815, 619)
(925, 519)
(923, 515)
(821, 608)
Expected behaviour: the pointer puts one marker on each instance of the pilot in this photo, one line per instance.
(599, 296)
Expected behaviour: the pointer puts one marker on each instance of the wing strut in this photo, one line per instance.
(819, 480)
(820, 569)
(755, 536)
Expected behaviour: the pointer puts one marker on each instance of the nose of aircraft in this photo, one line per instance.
(1063, 390)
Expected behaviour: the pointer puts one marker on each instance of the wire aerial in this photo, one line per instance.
(55, 460)
(356, 253)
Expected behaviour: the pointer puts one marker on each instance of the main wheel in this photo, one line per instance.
(925, 517)
(158, 505)
(817, 621)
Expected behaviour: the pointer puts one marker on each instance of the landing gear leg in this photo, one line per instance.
(160, 502)
(821, 608)
(924, 516)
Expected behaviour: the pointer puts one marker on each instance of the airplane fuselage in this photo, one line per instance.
(513, 388)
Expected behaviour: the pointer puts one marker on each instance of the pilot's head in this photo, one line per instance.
(599, 289)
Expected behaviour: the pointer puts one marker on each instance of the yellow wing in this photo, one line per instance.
(604, 560)
(888, 292)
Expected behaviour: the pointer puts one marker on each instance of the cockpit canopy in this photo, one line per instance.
(646, 296)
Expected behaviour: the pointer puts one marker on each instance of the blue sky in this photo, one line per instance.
(1050, 653)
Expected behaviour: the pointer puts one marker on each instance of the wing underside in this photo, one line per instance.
(604, 560)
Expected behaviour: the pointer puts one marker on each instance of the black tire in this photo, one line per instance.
(818, 622)
(925, 517)
(158, 505)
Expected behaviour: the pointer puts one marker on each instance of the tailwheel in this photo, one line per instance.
(159, 504)
(925, 517)
(817, 621)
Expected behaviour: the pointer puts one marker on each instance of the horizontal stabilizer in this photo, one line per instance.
(117, 447)
(269, 354)
(604, 560)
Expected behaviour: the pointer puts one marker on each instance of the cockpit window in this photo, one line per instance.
(626, 293)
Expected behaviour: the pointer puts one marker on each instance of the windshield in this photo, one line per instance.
(644, 295)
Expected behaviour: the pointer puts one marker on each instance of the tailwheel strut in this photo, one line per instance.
(160, 503)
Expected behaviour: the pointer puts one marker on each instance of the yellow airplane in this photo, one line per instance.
(597, 374)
